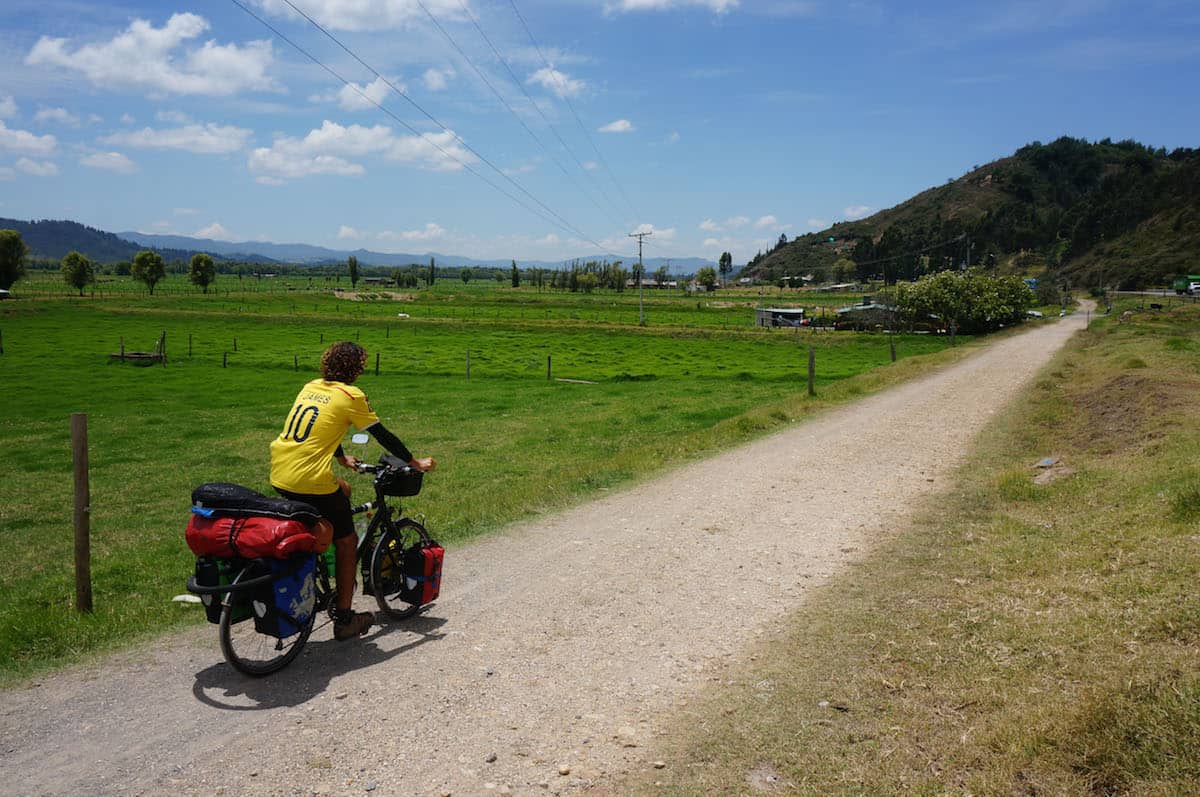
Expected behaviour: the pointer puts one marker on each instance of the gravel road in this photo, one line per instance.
(557, 647)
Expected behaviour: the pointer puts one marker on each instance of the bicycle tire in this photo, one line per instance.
(387, 566)
(252, 653)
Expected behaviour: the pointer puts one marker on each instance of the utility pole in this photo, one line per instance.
(641, 275)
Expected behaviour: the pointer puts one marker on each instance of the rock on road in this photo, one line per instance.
(557, 646)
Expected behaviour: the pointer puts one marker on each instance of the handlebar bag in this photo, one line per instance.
(422, 572)
(249, 537)
(286, 609)
(233, 500)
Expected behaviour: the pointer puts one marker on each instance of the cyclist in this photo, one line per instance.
(302, 463)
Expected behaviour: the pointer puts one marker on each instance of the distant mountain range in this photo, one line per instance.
(52, 240)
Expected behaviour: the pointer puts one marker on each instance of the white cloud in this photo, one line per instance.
(329, 148)
(857, 211)
(766, 221)
(708, 225)
(153, 58)
(348, 233)
(365, 15)
(711, 242)
(214, 231)
(736, 221)
(127, 119)
(368, 97)
(524, 168)
(629, 6)
(174, 117)
(437, 79)
(428, 233)
(208, 139)
(618, 126)
(667, 234)
(186, 212)
(8, 107)
(591, 166)
(24, 141)
(817, 224)
(60, 115)
(673, 138)
(560, 83)
(109, 161)
(37, 169)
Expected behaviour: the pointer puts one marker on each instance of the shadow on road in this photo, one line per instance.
(223, 687)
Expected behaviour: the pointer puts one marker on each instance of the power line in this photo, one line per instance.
(521, 86)
(562, 223)
(549, 216)
(911, 253)
(578, 121)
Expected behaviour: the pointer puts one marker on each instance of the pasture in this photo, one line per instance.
(511, 442)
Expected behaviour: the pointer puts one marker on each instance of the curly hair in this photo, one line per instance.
(344, 361)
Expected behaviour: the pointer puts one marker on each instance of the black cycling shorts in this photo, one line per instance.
(334, 507)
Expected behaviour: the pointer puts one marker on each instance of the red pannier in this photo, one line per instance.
(250, 537)
(422, 573)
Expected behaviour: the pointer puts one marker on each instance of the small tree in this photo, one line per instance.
(515, 276)
(726, 265)
(202, 272)
(465, 274)
(707, 276)
(352, 267)
(77, 271)
(432, 273)
(12, 258)
(148, 268)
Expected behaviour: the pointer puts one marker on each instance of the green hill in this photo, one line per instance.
(1084, 213)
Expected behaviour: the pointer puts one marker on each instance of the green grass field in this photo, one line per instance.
(511, 442)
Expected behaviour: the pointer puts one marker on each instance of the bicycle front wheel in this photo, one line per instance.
(387, 567)
(253, 653)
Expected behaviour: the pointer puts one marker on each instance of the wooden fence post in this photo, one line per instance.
(376, 363)
(83, 508)
(468, 363)
(225, 360)
(235, 344)
(812, 370)
(295, 362)
(547, 367)
(1, 342)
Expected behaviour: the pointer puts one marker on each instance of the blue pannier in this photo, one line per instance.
(286, 610)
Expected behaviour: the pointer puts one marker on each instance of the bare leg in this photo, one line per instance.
(345, 565)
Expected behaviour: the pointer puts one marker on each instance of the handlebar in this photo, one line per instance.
(383, 467)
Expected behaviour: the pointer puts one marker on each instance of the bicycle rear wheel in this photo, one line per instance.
(250, 651)
(387, 567)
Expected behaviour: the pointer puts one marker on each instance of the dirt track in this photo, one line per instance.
(556, 648)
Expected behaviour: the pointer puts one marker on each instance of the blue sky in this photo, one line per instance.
(716, 124)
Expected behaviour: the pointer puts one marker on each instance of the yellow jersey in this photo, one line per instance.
(302, 455)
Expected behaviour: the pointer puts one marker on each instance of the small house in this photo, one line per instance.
(780, 317)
